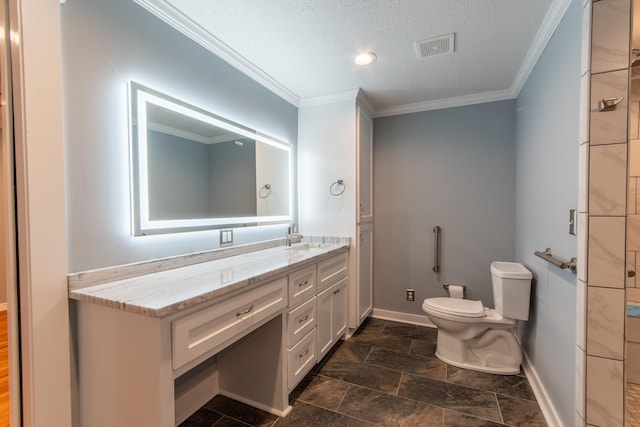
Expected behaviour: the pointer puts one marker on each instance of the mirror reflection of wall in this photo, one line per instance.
(190, 179)
(271, 170)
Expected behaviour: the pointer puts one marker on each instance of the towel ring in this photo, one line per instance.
(265, 191)
(337, 188)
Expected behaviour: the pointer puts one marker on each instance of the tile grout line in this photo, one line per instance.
(499, 408)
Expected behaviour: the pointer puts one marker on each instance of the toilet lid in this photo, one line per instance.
(456, 306)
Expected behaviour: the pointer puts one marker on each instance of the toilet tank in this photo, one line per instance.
(511, 289)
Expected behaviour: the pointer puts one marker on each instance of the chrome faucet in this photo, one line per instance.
(292, 234)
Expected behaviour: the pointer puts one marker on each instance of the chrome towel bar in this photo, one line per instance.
(436, 248)
(547, 255)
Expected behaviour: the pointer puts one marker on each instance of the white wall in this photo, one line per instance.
(546, 188)
(105, 44)
(329, 128)
(44, 318)
(454, 168)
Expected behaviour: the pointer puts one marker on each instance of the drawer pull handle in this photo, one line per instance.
(304, 319)
(304, 353)
(303, 283)
(248, 310)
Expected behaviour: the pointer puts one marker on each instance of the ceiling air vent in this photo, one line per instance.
(439, 45)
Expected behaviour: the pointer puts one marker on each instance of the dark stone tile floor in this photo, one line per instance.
(387, 375)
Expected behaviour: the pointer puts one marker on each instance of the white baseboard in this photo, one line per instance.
(414, 319)
(544, 400)
(258, 405)
(3, 306)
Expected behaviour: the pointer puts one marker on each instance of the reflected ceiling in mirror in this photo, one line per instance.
(194, 170)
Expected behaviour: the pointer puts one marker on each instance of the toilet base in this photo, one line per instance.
(495, 351)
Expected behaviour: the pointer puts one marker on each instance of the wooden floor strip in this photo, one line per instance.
(4, 371)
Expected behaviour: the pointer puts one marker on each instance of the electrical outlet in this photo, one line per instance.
(226, 237)
(411, 295)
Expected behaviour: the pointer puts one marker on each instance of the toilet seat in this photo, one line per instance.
(455, 307)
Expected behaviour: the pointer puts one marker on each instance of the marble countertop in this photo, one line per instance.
(162, 293)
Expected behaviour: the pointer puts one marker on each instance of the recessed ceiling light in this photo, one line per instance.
(365, 58)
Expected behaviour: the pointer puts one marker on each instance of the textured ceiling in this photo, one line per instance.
(304, 49)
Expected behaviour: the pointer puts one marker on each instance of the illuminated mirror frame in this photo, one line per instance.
(139, 97)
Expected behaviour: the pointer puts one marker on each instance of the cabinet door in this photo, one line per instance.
(325, 334)
(364, 166)
(365, 271)
(339, 315)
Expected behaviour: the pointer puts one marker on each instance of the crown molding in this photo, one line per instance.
(195, 32)
(438, 104)
(549, 24)
(347, 95)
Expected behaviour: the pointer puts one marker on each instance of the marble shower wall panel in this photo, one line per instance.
(605, 392)
(606, 313)
(581, 310)
(585, 63)
(633, 237)
(610, 35)
(607, 179)
(634, 158)
(608, 127)
(606, 199)
(633, 367)
(634, 112)
(606, 251)
(632, 199)
(583, 132)
(583, 253)
(580, 389)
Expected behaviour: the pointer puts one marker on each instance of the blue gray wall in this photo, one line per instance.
(179, 177)
(454, 168)
(233, 179)
(546, 188)
(190, 179)
(105, 45)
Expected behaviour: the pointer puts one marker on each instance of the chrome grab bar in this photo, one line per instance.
(436, 248)
(547, 255)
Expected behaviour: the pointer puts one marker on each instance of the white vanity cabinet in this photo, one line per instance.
(140, 370)
(335, 137)
(301, 325)
(154, 347)
(332, 316)
(315, 325)
(332, 301)
(364, 173)
(364, 256)
(210, 328)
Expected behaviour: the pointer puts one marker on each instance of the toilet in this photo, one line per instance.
(483, 339)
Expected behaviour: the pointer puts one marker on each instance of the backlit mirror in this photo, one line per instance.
(194, 170)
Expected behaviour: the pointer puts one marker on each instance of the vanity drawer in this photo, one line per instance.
(204, 330)
(301, 358)
(332, 270)
(300, 321)
(302, 285)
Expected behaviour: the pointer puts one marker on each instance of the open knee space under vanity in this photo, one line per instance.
(153, 347)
